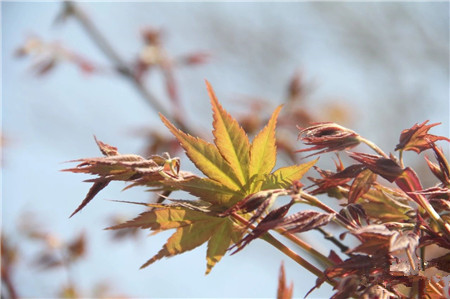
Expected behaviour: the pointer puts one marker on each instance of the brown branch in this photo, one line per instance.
(6, 279)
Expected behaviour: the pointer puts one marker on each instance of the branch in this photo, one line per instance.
(72, 9)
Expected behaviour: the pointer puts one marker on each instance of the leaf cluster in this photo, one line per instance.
(382, 202)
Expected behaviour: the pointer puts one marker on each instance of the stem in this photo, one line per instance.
(6, 279)
(71, 8)
(400, 158)
(333, 240)
(319, 256)
(316, 202)
(283, 248)
(269, 238)
(373, 146)
(434, 215)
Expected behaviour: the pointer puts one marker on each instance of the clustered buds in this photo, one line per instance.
(328, 137)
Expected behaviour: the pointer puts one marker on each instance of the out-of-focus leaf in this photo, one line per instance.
(230, 139)
(77, 247)
(362, 183)
(284, 291)
(417, 138)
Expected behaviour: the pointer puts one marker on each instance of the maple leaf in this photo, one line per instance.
(193, 228)
(234, 167)
(155, 171)
(361, 185)
(386, 205)
(237, 173)
(387, 168)
(327, 137)
(417, 138)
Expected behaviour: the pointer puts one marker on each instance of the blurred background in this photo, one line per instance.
(377, 68)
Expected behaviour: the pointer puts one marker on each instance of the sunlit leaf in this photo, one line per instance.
(263, 150)
(193, 228)
(206, 157)
(230, 139)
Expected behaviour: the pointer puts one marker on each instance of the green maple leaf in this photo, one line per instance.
(234, 169)
(193, 228)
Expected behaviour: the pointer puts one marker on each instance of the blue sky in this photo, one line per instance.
(392, 74)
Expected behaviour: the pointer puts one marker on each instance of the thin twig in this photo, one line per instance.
(71, 8)
(333, 240)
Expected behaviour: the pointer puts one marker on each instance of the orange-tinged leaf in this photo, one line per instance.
(230, 138)
(285, 176)
(206, 157)
(184, 239)
(284, 291)
(263, 150)
(193, 228)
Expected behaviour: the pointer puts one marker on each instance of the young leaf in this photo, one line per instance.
(120, 167)
(417, 138)
(230, 139)
(206, 157)
(263, 150)
(304, 221)
(362, 183)
(387, 168)
(272, 220)
(386, 205)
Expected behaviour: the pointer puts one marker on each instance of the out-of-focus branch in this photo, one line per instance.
(72, 9)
